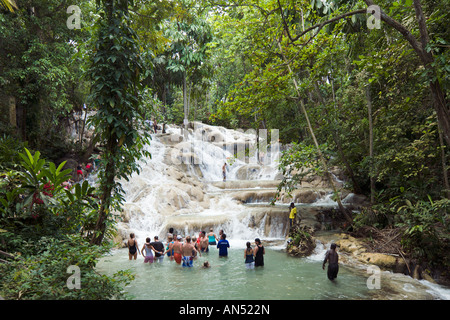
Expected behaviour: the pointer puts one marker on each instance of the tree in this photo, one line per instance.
(38, 74)
(189, 36)
(422, 49)
(116, 93)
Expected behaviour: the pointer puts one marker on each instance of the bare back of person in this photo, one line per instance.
(187, 249)
(177, 247)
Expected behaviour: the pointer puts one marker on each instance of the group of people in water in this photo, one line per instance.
(185, 252)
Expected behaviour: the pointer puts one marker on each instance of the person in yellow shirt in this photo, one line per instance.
(292, 214)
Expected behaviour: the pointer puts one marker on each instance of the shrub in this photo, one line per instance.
(45, 276)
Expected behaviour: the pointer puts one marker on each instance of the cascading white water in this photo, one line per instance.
(174, 189)
(181, 187)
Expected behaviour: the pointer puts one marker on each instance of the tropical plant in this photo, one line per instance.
(116, 95)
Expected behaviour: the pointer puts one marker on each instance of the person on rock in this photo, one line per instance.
(292, 214)
(224, 172)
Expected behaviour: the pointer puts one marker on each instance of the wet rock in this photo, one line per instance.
(358, 251)
(248, 172)
(384, 261)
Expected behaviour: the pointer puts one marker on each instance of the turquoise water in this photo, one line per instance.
(282, 278)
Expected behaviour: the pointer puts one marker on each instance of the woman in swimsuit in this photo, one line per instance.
(132, 247)
(148, 251)
(169, 248)
(212, 238)
(248, 255)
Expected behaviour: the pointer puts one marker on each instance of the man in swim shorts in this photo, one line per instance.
(177, 250)
(188, 249)
(333, 262)
(203, 245)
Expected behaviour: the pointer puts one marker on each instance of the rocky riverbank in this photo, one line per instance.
(381, 248)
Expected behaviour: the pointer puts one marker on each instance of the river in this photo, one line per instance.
(181, 187)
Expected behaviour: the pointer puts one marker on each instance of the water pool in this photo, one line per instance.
(282, 278)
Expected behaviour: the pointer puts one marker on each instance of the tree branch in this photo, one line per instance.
(318, 25)
(402, 29)
(424, 37)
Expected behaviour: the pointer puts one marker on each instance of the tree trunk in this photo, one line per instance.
(444, 164)
(106, 189)
(337, 141)
(185, 122)
(322, 158)
(12, 112)
(371, 170)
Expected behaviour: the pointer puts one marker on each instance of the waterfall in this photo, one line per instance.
(181, 186)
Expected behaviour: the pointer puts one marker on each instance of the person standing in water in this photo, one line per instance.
(224, 171)
(212, 238)
(259, 253)
(159, 249)
(148, 257)
(333, 262)
(132, 247)
(223, 246)
(248, 255)
(177, 250)
(188, 251)
(169, 249)
(203, 244)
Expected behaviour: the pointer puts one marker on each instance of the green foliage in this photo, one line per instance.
(48, 228)
(34, 203)
(37, 69)
(116, 94)
(44, 276)
(427, 229)
(297, 163)
(302, 243)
